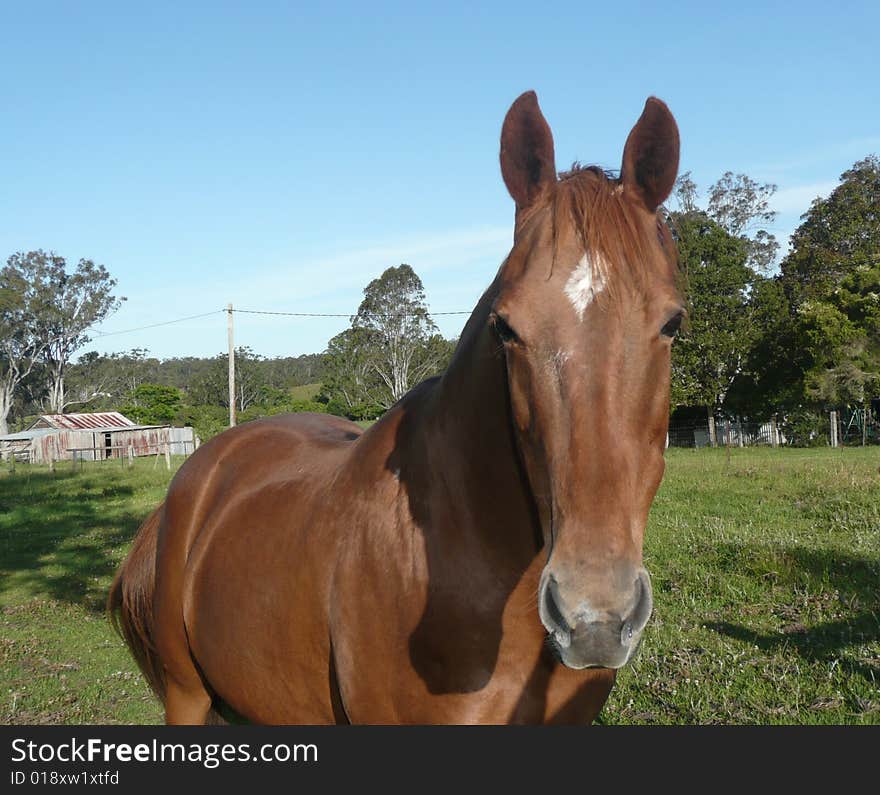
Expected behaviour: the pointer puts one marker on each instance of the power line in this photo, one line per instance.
(256, 312)
(334, 314)
(154, 325)
(291, 314)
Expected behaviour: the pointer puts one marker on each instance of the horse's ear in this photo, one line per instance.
(528, 164)
(650, 157)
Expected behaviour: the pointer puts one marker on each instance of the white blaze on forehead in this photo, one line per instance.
(584, 284)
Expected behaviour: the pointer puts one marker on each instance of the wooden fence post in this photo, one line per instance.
(868, 419)
(833, 420)
(713, 439)
(774, 432)
(739, 431)
(130, 455)
(727, 439)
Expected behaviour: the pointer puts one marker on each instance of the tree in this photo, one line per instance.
(287, 371)
(127, 371)
(63, 306)
(741, 205)
(738, 203)
(249, 377)
(686, 193)
(836, 234)
(392, 345)
(88, 381)
(153, 404)
(832, 279)
(211, 388)
(711, 351)
(20, 348)
(349, 376)
(772, 377)
(842, 335)
(395, 330)
(101, 381)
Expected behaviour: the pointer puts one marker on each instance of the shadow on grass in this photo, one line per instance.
(850, 581)
(62, 535)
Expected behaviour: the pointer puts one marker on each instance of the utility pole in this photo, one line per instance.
(231, 366)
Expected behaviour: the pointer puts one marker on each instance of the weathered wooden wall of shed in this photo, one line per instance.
(57, 446)
(152, 441)
(92, 445)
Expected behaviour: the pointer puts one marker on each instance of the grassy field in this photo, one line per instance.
(305, 392)
(766, 570)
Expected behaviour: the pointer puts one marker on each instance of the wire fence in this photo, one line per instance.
(841, 427)
(736, 433)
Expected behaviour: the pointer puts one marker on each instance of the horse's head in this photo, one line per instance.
(585, 312)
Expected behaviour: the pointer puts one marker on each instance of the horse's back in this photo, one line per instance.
(262, 437)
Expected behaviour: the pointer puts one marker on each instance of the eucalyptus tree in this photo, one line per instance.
(62, 305)
(20, 347)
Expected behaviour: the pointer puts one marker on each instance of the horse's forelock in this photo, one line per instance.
(609, 226)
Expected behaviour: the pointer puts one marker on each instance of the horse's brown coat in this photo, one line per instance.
(303, 571)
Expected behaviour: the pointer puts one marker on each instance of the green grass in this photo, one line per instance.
(62, 536)
(766, 571)
(305, 392)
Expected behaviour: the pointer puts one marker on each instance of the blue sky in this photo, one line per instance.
(281, 155)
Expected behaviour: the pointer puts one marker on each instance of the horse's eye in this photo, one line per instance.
(672, 325)
(503, 329)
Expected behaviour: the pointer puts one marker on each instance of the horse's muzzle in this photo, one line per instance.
(588, 638)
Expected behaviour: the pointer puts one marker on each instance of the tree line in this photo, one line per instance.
(392, 344)
(194, 390)
(788, 343)
(765, 335)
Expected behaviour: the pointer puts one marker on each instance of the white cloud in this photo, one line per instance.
(354, 267)
(798, 198)
(840, 154)
(455, 266)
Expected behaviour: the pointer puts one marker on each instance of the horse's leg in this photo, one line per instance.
(186, 704)
(187, 700)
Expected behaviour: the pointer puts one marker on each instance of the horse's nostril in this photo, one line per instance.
(551, 606)
(644, 605)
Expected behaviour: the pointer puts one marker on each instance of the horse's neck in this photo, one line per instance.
(475, 474)
(465, 530)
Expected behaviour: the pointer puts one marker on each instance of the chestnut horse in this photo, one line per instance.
(476, 555)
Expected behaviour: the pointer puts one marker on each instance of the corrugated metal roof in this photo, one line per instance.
(25, 435)
(136, 428)
(80, 422)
